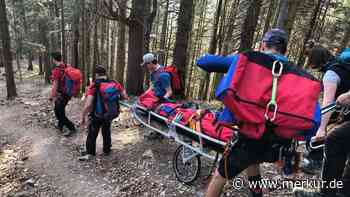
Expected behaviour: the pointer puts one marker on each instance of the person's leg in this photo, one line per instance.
(107, 139)
(346, 178)
(337, 148)
(336, 151)
(253, 173)
(242, 156)
(59, 112)
(93, 129)
(216, 185)
(66, 122)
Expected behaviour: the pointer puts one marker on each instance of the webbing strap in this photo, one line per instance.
(272, 106)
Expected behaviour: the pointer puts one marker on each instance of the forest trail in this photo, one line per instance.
(136, 168)
(48, 153)
(44, 163)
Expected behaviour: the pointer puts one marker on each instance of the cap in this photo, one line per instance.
(56, 56)
(275, 36)
(148, 58)
(100, 70)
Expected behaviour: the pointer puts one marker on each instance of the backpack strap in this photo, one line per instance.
(98, 95)
(62, 70)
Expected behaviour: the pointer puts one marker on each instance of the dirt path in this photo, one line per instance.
(36, 160)
(52, 158)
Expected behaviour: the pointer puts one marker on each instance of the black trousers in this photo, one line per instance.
(93, 129)
(60, 113)
(248, 152)
(335, 167)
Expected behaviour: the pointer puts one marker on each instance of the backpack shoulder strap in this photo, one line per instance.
(98, 96)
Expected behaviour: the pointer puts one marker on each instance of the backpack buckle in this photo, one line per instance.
(271, 107)
(277, 70)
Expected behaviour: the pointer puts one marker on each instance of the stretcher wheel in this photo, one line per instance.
(186, 172)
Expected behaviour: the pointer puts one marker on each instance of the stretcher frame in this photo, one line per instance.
(195, 151)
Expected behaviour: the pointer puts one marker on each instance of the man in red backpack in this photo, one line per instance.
(247, 153)
(58, 96)
(102, 105)
(160, 80)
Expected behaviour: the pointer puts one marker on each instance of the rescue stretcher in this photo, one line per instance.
(193, 144)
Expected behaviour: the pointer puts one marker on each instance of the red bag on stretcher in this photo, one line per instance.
(148, 100)
(211, 127)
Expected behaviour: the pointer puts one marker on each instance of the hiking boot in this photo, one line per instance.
(255, 194)
(106, 154)
(86, 157)
(81, 149)
(58, 128)
(311, 166)
(68, 133)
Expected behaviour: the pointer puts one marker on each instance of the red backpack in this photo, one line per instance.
(72, 81)
(249, 91)
(175, 77)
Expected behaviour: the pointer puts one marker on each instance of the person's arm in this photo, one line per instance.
(216, 63)
(54, 89)
(87, 108)
(169, 92)
(344, 99)
(330, 88)
(166, 84)
(124, 95)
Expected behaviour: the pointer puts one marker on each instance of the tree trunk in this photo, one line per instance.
(135, 74)
(212, 46)
(269, 16)
(25, 26)
(161, 56)
(75, 48)
(6, 53)
(19, 49)
(102, 52)
(323, 21)
(184, 27)
(346, 37)
(112, 51)
(121, 46)
(287, 14)
(150, 15)
(41, 64)
(308, 34)
(43, 29)
(63, 37)
(214, 40)
(283, 14)
(30, 61)
(83, 43)
(249, 25)
(95, 48)
(19, 67)
(231, 26)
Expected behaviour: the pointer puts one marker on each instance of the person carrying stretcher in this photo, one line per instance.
(267, 123)
(160, 82)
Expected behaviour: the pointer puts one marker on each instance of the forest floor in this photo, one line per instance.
(36, 160)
